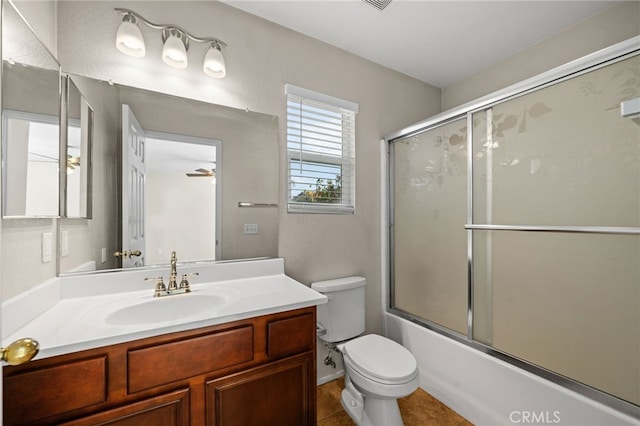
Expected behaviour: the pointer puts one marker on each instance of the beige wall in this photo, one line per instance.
(41, 15)
(22, 266)
(618, 23)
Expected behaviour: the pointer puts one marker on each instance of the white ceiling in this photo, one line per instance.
(175, 157)
(438, 42)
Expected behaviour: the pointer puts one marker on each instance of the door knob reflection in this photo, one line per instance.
(127, 253)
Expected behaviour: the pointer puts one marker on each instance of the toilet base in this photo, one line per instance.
(368, 411)
(381, 412)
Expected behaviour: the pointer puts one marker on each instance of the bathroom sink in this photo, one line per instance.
(168, 308)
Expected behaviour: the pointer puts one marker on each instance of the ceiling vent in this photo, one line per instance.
(378, 4)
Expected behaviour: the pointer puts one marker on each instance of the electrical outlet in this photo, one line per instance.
(103, 254)
(250, 228)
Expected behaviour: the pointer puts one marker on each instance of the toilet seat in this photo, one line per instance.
(380, 359)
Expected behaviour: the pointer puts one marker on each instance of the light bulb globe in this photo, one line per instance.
(174, 52)
(214, 65)
(129, 40)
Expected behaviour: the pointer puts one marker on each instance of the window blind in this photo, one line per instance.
(320, 152)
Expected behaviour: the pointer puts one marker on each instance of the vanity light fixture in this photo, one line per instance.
(175, 44)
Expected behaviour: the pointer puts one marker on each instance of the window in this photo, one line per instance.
(320, 152)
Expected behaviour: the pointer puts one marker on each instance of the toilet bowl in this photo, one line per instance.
(377, 369)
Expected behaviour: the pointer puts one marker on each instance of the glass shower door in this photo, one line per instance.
(556, 179)
(527, 242)
(429, 213)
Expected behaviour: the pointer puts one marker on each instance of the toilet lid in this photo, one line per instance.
(382, 358)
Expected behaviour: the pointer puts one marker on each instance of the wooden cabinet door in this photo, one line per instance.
(280, 393)
(38, 391)
(170, 409)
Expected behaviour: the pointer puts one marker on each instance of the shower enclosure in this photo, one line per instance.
(515, 225)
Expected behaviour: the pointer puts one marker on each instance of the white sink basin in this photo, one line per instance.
(167, 308)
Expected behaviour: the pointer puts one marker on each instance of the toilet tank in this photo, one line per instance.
(343, 316)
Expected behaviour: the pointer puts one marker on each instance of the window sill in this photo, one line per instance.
(315, 208)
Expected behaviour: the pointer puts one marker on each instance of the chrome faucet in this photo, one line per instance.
(173, 288)
(173, 282)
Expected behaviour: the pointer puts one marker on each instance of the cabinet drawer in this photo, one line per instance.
(169, 362)
(290, 335)
(42, 393)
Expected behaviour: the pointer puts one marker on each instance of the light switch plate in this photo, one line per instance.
(47, 239)
(64, 243)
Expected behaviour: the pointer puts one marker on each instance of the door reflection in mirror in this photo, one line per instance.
(173, 174)
(133, 189)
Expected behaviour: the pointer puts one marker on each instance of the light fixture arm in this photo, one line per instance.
(163, 27)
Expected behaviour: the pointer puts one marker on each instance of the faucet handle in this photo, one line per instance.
(184, 284)
(160, 287)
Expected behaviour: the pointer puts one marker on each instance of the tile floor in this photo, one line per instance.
(417, 409)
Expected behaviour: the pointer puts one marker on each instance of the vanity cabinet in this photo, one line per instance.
(254, 371)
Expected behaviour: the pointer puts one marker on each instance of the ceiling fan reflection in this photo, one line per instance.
(203, 173)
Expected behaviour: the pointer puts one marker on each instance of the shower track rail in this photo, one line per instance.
(567, 229)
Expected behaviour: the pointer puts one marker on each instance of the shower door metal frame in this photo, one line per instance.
(594, 61)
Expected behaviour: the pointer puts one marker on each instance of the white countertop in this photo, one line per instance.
(83, 322)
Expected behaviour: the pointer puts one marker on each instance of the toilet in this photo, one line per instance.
(378, 370)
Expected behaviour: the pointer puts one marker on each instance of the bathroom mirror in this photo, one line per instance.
(30, 122)
(79, 136)
(215, 157)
